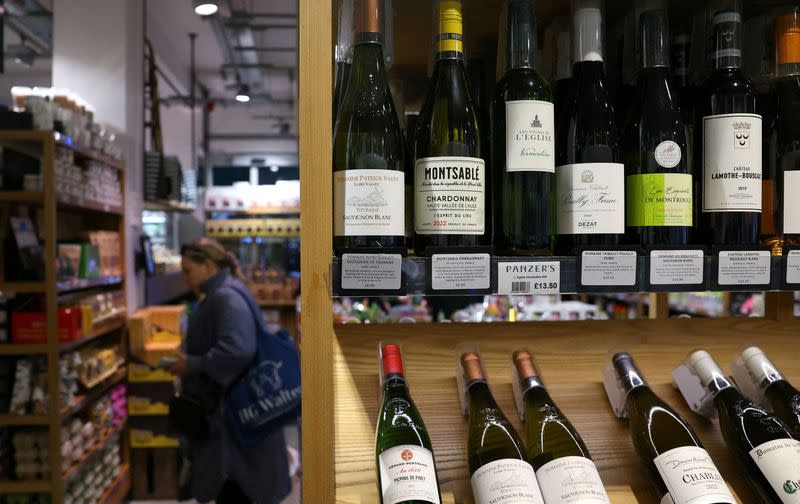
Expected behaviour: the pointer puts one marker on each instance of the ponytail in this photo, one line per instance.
(206, 249)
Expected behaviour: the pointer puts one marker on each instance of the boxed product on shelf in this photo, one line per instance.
(98, 363)
(3, 318)
(89, 484)
(31, 327)
(156, 332)
(69, 260)
(29, 390)
(108, 243)
(23, 255)
(31, 457)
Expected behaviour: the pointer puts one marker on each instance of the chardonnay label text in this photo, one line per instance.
(450, 195)
(779, 462)
(691, 476)
(591, 198)
(791, 202)
(659, 199)
(510, 481)
(732, 162)
(530, 144)
(408, 474)
(571, 480)
(369, 203)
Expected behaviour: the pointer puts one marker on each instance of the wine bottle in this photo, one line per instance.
(731, 142)
(590, 178)
(563, 466)
(679, 466)
(761, 376)
(497, 465)
(368, 153)
(563, 87)
(403, 452)
(451, 197)
(760, 443)
(783, 160)
(658, 167)
(523, 137)
(344, 56)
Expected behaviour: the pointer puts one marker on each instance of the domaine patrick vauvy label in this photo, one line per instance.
(408, 474)
(791, 203)
(571, 480)
(369, 203)
(691, 477)
(450, 196)
(779, 462)
(732, 162)
(529, 136)
(510, 481)
(591, 198)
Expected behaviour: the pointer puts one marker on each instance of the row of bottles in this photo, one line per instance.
(554, 466)
(544, 174)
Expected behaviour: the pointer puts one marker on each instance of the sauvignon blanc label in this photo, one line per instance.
(571, 480)
(591, 198)
(732, 162)
(510, 481)
(659, 199)
(450, 195)
(779, 462)
(408, 474)
(791, 202)
(691, 477)
(530, 144)
(369, 203)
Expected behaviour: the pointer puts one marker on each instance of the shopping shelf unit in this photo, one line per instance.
(54, 206)
(340, 396)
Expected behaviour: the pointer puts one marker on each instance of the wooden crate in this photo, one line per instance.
(143, 324)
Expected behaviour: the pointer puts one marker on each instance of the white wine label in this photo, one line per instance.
(667, 499)
(791, 202)
(369, 203)
(732, 162)
(510, 481)
(668, 154)
(450, 196)
(691, 477)
(608, 267)
(591, 198)
(372, 271)
(534, 277)
(571, 480)
(408, 474)
(779, 462)
(460, 271)
(530, 136)
(676, 267)
(744, 267)
(793, 267)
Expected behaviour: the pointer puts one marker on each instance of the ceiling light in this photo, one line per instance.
(243, 95)
(205, 8)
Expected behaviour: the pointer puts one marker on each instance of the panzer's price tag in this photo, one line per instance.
(460, 271)
(608, 268)
(793, 267)
(744, 267)
(534, 277)
(372, 271)
(676, 267)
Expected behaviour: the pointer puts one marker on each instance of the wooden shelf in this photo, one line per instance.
(10, 419)
(23, 287)
(23, 349)
(94, 393)
(86, 153)
(76, 467)
(113, 324)
(66, 201)
(22, 197)
(39, 136)
(168, 206)
(119, 488)
(280, 303)
(88, 283)
(255, 212)
(24, 486)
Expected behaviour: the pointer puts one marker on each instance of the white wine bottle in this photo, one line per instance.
(564, 468)
(497, 463)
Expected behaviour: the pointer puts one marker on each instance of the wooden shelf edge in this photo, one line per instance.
(23, 486)
(116, 492)
(23, 287)
(85, 284)
(21, 196)
(23, 349)
(11, 419)
(72, 470)
(62, 141)
(113, 324)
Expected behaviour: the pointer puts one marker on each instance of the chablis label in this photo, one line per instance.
(691, 477)
(450, 195)
(779, 462)
(529, 136)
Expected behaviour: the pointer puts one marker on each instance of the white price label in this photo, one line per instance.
(533, 277)
(676, 267)
(744, 267)
(372, 271)
(460, 271)
(793, 267)
(608, 267)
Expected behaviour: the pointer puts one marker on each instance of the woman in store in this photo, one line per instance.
(220, 345)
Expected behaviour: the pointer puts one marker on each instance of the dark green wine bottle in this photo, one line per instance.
(451, 196)
(766, 380)
(368, 151)
(563, 466)
(497, 464)
(403, 451)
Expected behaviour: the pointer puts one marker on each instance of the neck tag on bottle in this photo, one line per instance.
(615, 392)
(746, 381)
(699, 399)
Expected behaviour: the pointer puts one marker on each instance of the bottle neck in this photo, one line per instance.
(653, 50)
(480, 396)
(588, 71)
(588, 34)
(449, 39)
(727, 40)
(394, 384)
(533, 390)
(521, 34)
(368, 60)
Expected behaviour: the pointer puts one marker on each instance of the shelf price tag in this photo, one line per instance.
(676, 267)
(744, 267)
(533, 277)
(608, 268)
(460, 271)
(793, 267)
(372, 271)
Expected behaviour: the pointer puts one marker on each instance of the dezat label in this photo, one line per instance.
(590, 198)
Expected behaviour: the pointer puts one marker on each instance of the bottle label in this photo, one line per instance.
(510, 481)
(408, 474)
(591, 198)
(659, 199)
(529, 136)
(571, 480)
(450, 196)
(668, 154)
(667, 499)
(779, 462)
(691, 477)
(791, 202)
(369, 203)
(732, 162)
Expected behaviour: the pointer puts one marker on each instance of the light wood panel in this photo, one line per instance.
(571, 356)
